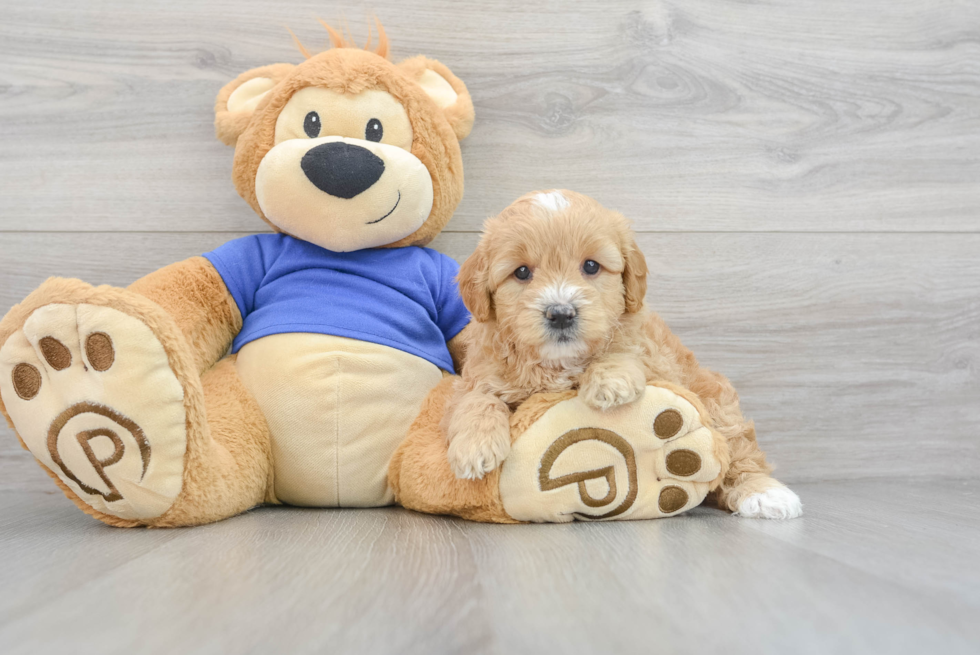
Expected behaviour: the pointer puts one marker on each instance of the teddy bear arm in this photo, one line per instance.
(457, 350)
(196, 298)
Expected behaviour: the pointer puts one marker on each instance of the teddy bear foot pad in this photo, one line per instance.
(649, 459)
(91, 392)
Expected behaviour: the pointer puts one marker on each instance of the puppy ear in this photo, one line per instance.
(447, 90)
(474, 285)
(237, 100)
(634, 274)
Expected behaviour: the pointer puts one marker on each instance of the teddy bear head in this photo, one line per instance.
(348, 150)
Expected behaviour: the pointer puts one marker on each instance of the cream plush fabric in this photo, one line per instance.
(576, 462)
(115, 436)
(337, 408)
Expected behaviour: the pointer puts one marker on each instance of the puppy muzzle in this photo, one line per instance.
(561, 320)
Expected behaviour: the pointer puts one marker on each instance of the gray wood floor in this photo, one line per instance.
(874, 567)
(805, 179)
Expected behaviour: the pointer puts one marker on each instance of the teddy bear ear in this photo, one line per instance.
(447, 90)
(237, 100)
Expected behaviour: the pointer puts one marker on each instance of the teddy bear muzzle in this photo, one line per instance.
(344, 194)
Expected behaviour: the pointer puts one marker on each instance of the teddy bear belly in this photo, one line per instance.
(337, 408)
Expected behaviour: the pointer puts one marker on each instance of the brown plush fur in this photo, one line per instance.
(221, 478)
(230, 463)
(457, 350)
(436, 131)
(419, 472)
(420, 476)
(460, 115)
(620, 344)
(229, 125)
(337, 40)
(195, 297)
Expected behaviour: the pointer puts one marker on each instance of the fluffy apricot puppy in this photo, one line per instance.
(556, 289)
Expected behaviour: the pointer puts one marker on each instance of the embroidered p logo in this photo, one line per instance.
(649, 459)
(569, 439)
(57, 433)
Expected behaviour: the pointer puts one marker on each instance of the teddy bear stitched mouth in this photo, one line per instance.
(389, 211)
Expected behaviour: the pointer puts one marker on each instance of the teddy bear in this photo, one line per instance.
(282, 367)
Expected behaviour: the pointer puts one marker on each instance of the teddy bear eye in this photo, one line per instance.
(522, 273)
(374, 130)
(591, 267)
(312, 125)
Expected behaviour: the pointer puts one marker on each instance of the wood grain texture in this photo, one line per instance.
(805, 179)
(895, 575)
(856, 354)
(775, 116)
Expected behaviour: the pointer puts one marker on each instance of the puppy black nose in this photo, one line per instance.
(560, 316)
(341, 169)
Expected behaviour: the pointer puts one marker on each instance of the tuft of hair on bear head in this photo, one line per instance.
(338, 40)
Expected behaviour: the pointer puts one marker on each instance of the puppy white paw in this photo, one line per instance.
(777, 503)
(605, 390)
(473, 454)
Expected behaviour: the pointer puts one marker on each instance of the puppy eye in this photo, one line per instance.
(591, 267)
(523, 273)
(374, 131)
(312, 125)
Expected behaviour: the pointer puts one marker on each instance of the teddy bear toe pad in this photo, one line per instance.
(91, 393)
(648, 459)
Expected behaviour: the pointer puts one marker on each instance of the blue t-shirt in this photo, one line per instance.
(405, 298)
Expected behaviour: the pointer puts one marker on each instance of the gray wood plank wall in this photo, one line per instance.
(805, 178)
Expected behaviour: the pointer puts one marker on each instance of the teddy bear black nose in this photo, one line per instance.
(342, 169)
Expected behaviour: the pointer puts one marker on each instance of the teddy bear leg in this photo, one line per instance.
(420, 475)
(102, 388)
(655, 457)
(229, 461)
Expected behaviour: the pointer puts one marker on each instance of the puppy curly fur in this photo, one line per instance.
(614, 347)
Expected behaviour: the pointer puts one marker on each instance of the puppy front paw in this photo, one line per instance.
(607, 388)
(473, 454)
(478, 429)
